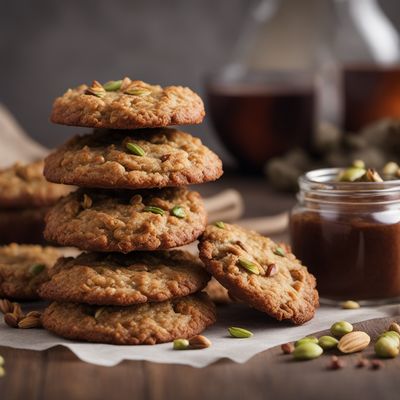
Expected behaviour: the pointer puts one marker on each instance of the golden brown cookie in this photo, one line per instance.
(23, 268)
(138, 159)
(259, 272)
(24, 186)
(147, 323)
(125, 279)
(128, 104)
(123, 221)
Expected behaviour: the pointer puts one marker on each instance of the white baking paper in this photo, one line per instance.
(267, 334)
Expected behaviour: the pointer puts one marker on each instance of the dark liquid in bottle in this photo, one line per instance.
(257, 122)
(370, 93)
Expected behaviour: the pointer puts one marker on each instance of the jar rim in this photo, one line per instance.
(321, 183)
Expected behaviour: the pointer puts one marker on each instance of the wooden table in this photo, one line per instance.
(58, 374)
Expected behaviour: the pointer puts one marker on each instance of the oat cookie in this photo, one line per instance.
(125, 279)
(147, 323)
(127, 104)
(259, 272)
(23, 268)
(162, 157)
(123, 221)
(23, 185)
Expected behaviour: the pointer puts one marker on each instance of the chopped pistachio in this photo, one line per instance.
(249, 266)
(112, 86)
(36, 269)
(219, 224)
(358, 164)
(135, 149)
(239, 333)
(178, 212)
(279, 252)
(154, 210)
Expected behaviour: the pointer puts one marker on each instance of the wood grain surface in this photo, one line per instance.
(58, 374)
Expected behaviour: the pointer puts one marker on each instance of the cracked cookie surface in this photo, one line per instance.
(124, 221)
(148, 106)
(147, 323)
(125, 279)
(170, 158)
(283, 288)
(23, 268)
(23, 185)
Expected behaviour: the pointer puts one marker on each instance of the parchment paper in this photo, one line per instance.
(267, 334)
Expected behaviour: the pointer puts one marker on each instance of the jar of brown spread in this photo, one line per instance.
(348, 235)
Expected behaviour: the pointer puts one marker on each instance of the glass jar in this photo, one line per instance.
(348, 235)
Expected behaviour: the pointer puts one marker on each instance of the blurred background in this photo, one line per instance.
(47, 46)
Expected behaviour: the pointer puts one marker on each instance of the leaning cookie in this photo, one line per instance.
(127, 104)
(147, 323)
(23, 268)
(259, 272)
(24, 186)
(123, 221)
(125, 279)
(138, 159)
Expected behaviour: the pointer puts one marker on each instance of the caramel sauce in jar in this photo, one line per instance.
(348, 235)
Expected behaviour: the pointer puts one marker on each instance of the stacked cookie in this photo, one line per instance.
(25, 197)
(132, 173)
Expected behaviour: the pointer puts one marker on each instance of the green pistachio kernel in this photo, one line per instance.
(279, 252)
(351, 174)
(239, 333)
(178, 212)
(2, 372)
(112, 86)
(391, 335)
(386, 347)
(358, 164)
(135, 91)
(340, 328)
(307, 339)
(390, 168)
(135, 149)
(180, 344)
(1, 361)
(328, 342)
(219, 224)
(154, 210)
(350, 305)
(249, 266)
(36, 269)
(307, 351)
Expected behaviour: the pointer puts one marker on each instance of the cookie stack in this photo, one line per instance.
(132, 173)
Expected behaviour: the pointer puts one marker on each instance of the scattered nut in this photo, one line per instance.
(287, 348)
(2, 372)
(394, 327)
(96, 89)
(6, 306)
(239, 333)
(390, 168)
(340, 328)
(36, 314)
(350, 305)
(386, 347)
(353, 342)
(376, 364)
(11, 320)
(180, 344)
(199, 342)
(336, 363)
(307, 339)
(307, 351)
(362, 362)
(29, 323)
(249, 266)
(328, 342)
